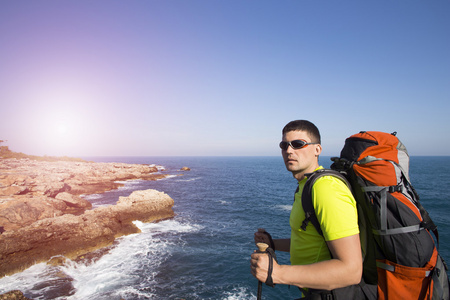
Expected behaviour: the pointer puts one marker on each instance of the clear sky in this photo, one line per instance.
(211, 77)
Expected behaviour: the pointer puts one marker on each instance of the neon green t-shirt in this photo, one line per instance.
(337, 215)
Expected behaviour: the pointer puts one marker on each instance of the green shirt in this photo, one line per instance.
(336, 212)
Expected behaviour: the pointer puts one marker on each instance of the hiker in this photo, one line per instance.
(327, 262)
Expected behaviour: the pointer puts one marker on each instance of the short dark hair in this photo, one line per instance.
(303, 125)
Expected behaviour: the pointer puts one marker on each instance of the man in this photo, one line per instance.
(318, 262)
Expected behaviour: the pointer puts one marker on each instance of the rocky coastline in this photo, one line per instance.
(44, 218)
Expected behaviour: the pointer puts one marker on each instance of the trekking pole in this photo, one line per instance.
(262, 247)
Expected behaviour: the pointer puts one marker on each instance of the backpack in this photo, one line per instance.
(400, 257)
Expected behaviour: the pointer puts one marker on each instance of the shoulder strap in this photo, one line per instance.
(310, 214)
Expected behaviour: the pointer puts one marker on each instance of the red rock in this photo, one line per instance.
(42, 214)
(72, 236)
(73, 201)
(23, 211)
(13, 190)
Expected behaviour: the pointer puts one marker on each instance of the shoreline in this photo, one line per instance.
(42, 214)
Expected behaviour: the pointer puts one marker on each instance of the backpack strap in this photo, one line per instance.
(310, 214)
(428, 223)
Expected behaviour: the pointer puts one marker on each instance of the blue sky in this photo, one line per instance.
(138, 78)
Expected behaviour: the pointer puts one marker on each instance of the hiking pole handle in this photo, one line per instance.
(262, 247)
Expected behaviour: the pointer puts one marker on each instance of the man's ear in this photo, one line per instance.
(318, 149)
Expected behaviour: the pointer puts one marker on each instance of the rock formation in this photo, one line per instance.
(72, 236)
(34, 190)
(42, 214)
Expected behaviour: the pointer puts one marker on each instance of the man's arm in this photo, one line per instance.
(345, 268)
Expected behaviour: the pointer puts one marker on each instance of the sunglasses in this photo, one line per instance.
(295, 144)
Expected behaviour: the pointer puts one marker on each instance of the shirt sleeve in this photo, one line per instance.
(335, 208)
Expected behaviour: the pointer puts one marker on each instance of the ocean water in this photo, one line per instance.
(204, 251)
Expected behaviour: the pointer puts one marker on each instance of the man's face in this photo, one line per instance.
(303, 160)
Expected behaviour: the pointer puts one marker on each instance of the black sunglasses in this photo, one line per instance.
(295, 144)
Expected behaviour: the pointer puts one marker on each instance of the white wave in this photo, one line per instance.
(167, 226)
(115, 272)
(160, 168)
(24, 280)
(190, 179)
(113, 275)
(131, 292)
(284, 207)
(239, 293)
(127, 185)
(129, 182)
(167, 177)
(92, 197)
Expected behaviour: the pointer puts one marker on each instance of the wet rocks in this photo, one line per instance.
(42, 214)
(72, 236)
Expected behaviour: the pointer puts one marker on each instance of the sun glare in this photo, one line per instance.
(62, 129)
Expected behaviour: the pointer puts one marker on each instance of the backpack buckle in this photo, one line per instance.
(394, 188)
(305, 221)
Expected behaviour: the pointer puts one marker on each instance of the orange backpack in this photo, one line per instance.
(401, 260)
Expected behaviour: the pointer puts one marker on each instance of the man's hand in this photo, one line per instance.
(259, 265)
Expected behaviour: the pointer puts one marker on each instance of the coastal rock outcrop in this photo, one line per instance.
(71, 236)
(43, 213)
(34, 190)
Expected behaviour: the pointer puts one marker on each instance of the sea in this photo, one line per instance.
(204, 251)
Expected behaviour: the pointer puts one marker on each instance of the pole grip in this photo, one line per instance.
(262, 247)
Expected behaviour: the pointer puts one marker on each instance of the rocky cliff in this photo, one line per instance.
(42, 214)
